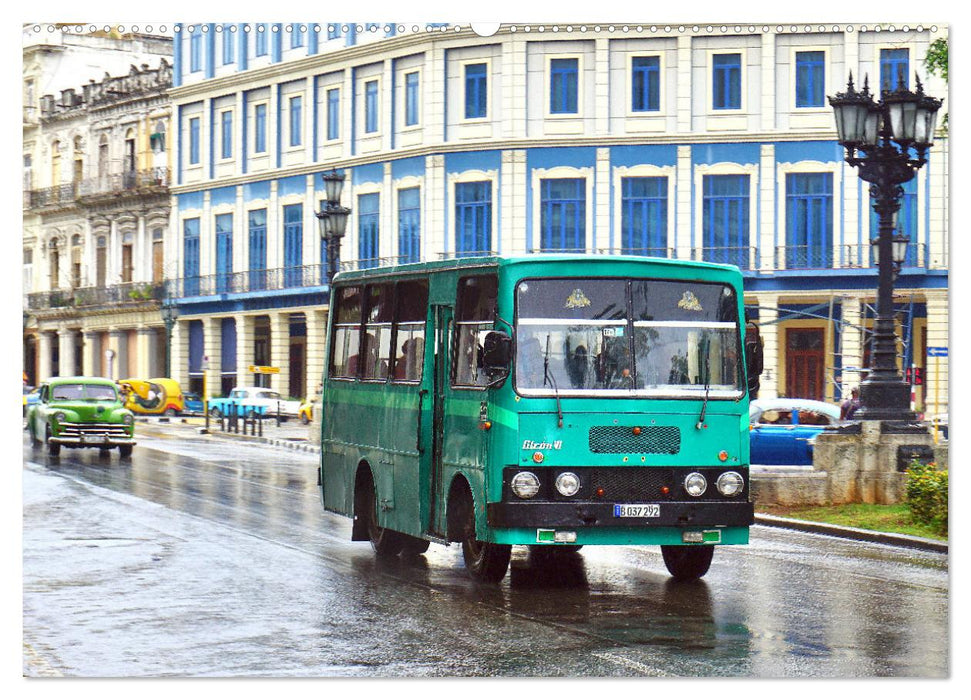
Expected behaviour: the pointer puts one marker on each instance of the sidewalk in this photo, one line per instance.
(293, 435)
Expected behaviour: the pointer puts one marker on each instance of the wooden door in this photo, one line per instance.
(805, 363)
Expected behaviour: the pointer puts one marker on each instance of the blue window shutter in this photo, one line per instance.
(260, 126)
(564, 85)
(810, 79)
(727, 81)
(645, 84)
(563, 221)
(257, 249)
(333, 113)
(809, 220)
(894, 68)
(476, 90)
(190, 257)
(224, 252)
(296, 120)
(644, 216)
(227, 134)
(368, 207)
(194, 140)
(473, 218)
(293, 244)
(371, 106)
(411, 99)
(409, 225)
(725, 219)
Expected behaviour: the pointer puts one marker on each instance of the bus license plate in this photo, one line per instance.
(637, 510)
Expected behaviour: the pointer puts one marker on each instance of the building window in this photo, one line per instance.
(194, 140)
(224, 252)
(726, 81)
(409, 225)
(644, 216)
(906, 221)
(333, 113)
(894, 68)
(810, 79)
(257, 249)
(260, 129)
(645, 84)
(195, 50)
(261, 40)
(411, 99)
(296, 108)
(296, 36)
(564, 85)
(476, 95)
(368, 209)
(725, 219)
(229, 39)
(371, 106)
(226, 124)
(563, 214)
(473, 218)
(190, 257)
(293, 245)
(809, 220)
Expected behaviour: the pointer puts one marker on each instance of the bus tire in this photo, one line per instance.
(384, 542)
(486, 562)
(687, 562)
(413, 546)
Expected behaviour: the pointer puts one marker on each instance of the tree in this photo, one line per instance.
(936, 63)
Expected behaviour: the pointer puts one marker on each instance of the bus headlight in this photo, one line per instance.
(568, 484)
(730, 484)
(525, 484)
(695, 484)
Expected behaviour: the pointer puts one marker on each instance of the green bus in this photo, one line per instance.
(554, 401)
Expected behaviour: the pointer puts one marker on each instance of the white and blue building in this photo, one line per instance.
(709, 142)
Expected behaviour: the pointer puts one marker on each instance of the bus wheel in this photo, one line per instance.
(686, 563)
(413, 546)
(385, 542)
(486, 562)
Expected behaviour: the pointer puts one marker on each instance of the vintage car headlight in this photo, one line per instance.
(730, 484)
(59, 417)
(128, 419)
(695, 484)
(568, 484)
(525, 484)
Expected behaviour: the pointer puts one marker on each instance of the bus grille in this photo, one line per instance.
(619, 439)
(628, 484)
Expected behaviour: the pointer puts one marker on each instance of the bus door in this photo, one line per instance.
(442, 341)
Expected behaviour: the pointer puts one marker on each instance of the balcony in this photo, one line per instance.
(846, 256)
(132, 181)
(51, 197)
(93, 297)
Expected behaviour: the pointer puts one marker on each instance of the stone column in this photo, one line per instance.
(89, 357)
(145, 353)
(65, 342)
(45, 340)
(115, 340)
(212, 346)
(316, 339)
(244, 349)
(180, 353)
(852, 343)
(769, 329)
(280, 351)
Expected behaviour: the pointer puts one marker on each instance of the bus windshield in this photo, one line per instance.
(613, 337)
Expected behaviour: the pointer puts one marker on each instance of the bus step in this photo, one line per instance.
(437, 539)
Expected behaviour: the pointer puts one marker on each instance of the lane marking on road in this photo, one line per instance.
(630, 663)
(37, 664)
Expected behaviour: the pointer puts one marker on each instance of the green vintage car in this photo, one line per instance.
(81, 412)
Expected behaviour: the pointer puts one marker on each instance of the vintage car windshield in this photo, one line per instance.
(76, 392)
(646, 337)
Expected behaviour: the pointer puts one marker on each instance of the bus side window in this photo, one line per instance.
(411, 310)
(346, 340)
(376, 342)
(475, 317)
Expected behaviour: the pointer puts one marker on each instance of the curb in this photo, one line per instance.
(854, 533)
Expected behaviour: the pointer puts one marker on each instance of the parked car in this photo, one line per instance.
(192, 403)
(152, 396)
(251, 401)
(783, 431)
(81, 412)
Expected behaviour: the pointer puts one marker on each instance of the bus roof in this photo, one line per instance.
(502, 261)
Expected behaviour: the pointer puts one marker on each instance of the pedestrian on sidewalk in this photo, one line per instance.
(850, 406)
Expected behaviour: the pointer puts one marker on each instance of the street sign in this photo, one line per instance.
(259, 369)
(937, 352)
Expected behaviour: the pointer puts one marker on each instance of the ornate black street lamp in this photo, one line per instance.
(333, 220)
(887, 141)
(169, 313)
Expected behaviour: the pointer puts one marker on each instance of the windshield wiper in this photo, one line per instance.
(704, 405)
(548, 378)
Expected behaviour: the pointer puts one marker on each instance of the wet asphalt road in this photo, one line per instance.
(205, 557)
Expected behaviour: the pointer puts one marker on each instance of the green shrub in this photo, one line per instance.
(927, 494)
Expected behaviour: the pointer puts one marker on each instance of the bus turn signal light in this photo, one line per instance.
(636, 430)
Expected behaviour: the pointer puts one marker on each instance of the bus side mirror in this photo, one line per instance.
(497, 350)
(754, 354)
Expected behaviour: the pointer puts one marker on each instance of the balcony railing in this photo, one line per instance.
(52, 196)
(846, 256)
(124, 182)
(128, 292)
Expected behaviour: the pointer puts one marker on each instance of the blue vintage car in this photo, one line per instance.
(192, 402)
(783, 431)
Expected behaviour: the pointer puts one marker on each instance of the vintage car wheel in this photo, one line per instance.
(170, 412)
(125, 451)
(53, 448)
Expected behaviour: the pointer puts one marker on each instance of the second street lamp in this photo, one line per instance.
(332, 220)
(887, 141)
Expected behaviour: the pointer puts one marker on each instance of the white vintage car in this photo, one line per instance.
(253, 400)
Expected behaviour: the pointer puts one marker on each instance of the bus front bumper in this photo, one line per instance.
(672, 514)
